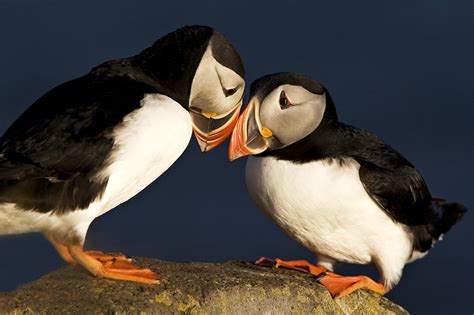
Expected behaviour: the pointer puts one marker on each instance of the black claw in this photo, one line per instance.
(321, 276)
(268, 264)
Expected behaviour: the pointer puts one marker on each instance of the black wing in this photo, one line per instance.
(400, 191)
(393, 182)
(50, 154)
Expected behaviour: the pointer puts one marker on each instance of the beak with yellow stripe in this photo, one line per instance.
(211, 129)
(249, 136)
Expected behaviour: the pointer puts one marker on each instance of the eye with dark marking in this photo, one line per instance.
(284, 101)
(229, 92)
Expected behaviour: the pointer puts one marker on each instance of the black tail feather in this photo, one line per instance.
(444, 216)
(450, 214)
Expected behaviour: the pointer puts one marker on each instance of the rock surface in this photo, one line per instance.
(194, 288)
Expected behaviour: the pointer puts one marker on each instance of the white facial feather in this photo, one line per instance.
(297, 121)
(210, 81)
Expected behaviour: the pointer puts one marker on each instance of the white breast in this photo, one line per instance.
(150, 140)
(324, 206)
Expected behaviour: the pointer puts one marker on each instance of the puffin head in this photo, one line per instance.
(199, 68)
(284, 108)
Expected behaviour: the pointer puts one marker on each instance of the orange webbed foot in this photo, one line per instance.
(113, 267)
(299, 265)
(340, 286)
(118, 267)
(337, 285)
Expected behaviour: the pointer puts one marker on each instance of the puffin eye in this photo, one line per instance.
(284, 101)
(229, 92)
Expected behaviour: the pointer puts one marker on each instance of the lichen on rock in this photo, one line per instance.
(189, 288)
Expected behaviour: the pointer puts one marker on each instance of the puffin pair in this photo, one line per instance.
(92, 143)
(336, 189)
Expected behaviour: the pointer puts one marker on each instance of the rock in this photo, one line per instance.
(194, 288)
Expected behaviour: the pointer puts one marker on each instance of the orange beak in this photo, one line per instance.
(210, 131)
(248, 137)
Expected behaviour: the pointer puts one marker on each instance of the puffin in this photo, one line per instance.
(336, 189)
(94, 142)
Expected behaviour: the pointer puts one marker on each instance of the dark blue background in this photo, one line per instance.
(400, 68)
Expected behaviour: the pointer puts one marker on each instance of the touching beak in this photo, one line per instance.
(249, 137)
(210, 130)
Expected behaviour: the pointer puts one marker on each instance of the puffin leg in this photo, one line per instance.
(111, 270)
(61, 249)
(299, 265)
(340, 286)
